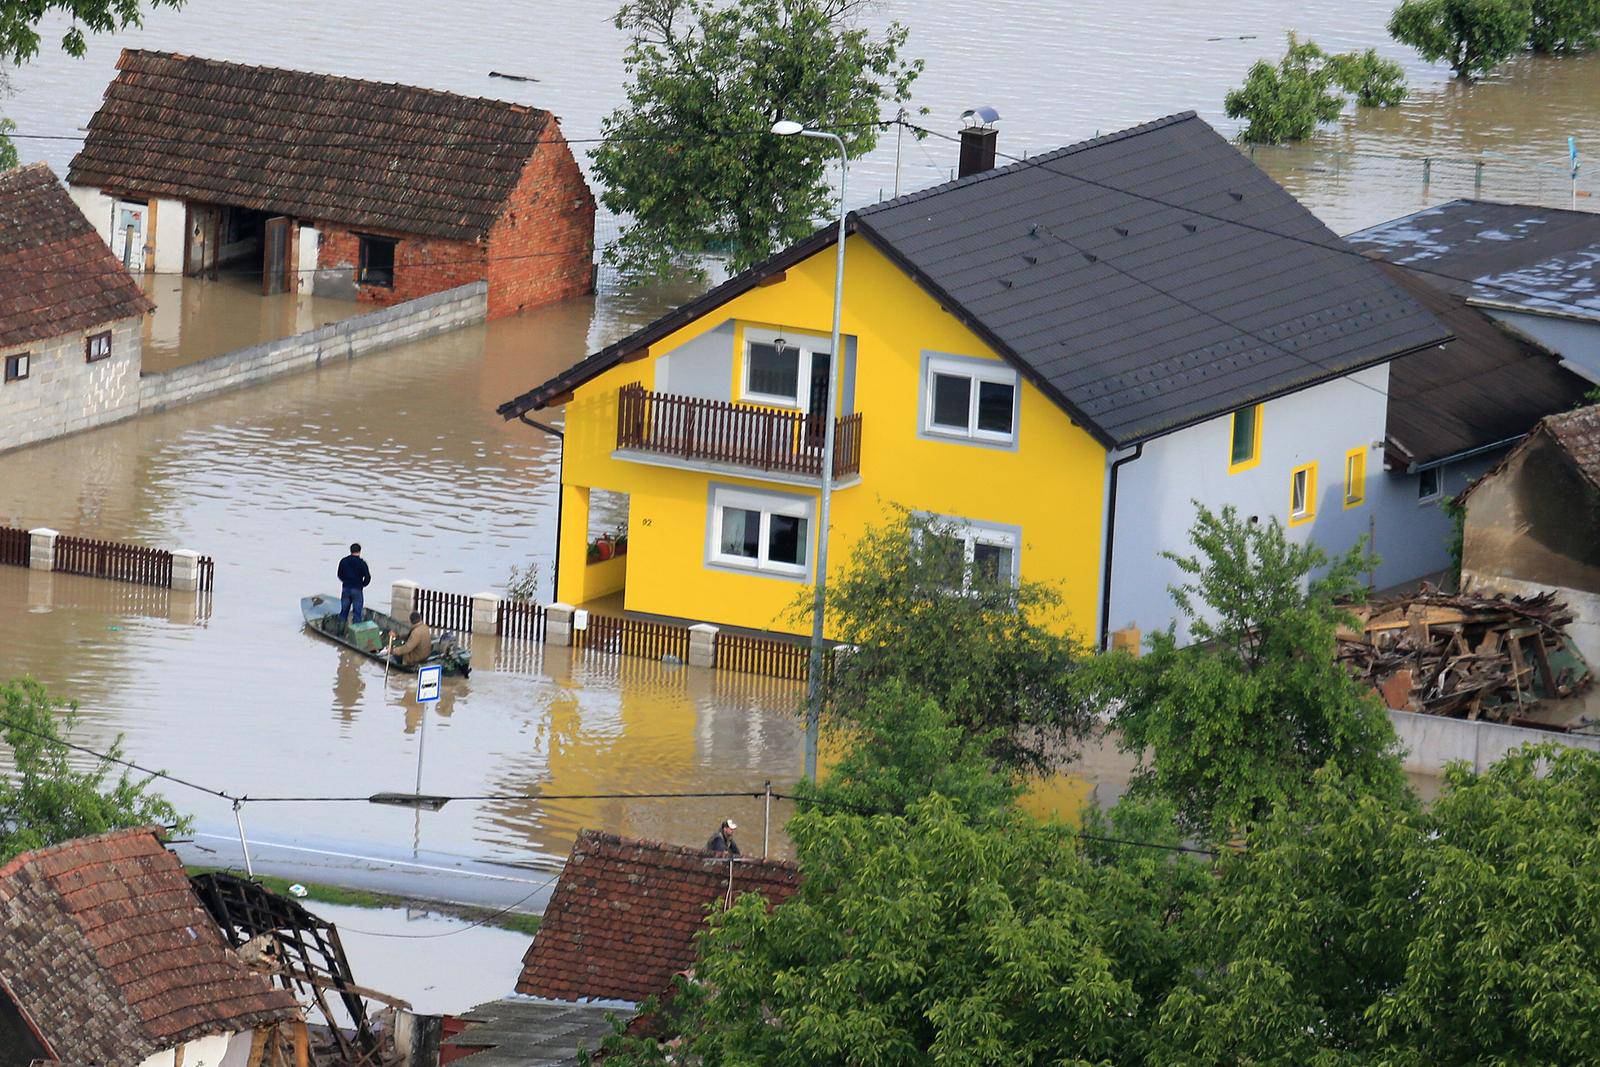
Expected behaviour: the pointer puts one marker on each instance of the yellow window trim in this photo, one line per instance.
(1255, 457)
(1310, 471)
(1355, 478)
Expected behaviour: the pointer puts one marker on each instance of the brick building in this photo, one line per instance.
(70, 316)
(361, 189)
(107, 957)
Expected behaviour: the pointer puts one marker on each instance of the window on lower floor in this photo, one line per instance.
(959, 554)
(760, 531)
(1303, 494)
(1355, 477)
(1430, 486)
(97, 346)
(377, 261)
(17, 366)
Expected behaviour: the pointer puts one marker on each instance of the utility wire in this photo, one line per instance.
(12, 724)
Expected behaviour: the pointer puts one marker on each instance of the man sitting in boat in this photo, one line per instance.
(418, 645)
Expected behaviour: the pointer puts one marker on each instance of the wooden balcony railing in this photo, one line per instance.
(715, 430)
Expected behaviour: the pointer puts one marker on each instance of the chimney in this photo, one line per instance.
(978, 137)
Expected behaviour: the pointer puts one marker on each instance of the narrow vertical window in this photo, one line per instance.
(1303, 494)
(1355, 477)
(1244, 449)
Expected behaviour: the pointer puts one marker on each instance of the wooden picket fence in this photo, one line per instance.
(445, 611)
(208, 571)
(521, 619)
(14, 546)
(763, 655)
(622, 636)
(108, 559)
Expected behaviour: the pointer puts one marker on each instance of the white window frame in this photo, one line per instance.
(972, 534)
(807, 350)
(977, 371)
(768, 504)
(1438, 485)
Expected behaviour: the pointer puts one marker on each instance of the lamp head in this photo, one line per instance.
(786, 127)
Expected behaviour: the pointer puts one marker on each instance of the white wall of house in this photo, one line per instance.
(217, 1050)
(171, 235)
(168, 235)
(1575, 341)
(63, 393)
(307, 251)
(96, 206)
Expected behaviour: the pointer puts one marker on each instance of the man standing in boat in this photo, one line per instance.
(418, 645)
(353, 581)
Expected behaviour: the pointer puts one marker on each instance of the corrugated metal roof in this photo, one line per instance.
(1545, 260)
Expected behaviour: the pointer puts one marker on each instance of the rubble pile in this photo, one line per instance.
(1472, 657)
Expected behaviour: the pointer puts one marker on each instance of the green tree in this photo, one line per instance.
(1564, 25)
(47, 799)
(1307, 87)
(689, 163)
(994, 654)
(19, 22)
(1473, 36)
(1352, 931)
(1243, 717)
(8, 150)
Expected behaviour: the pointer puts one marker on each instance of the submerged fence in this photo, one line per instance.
(447, 611)
(45, 549)
(620, 635)
(14, 547)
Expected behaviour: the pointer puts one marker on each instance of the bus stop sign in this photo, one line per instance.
(429, 681)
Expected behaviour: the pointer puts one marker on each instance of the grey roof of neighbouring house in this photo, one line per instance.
(1146, 281)
(1537, 259)
(520, 1031)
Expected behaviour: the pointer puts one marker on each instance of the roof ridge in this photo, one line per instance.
(1031, 161)
(24, 859)
(374, 82)
(690, 851)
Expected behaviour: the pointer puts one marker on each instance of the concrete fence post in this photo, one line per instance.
(42, 549)
(558, 624)
(485, 613)
(402, 599)
(185, 570)
(702, 645)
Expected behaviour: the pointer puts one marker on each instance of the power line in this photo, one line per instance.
(12, 724)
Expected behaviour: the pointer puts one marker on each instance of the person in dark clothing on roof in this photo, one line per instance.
(722, 842)
(353, 581)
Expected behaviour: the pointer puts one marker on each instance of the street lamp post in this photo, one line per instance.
(786, 128)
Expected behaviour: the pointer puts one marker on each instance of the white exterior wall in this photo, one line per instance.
(1578, 343)
(63, 393)
(96, 206)
(1412, 537)
(170, 236)
(307, 262)
(217, 1050)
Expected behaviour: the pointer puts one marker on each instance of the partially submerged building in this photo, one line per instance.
(70, 316)
(108, 958)
(364, 189)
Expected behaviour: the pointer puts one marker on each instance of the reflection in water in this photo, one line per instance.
(196, 318)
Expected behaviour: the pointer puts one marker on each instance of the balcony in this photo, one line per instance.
(694, 431)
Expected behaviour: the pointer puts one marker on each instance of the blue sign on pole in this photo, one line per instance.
(430, 680)
(1572, 151)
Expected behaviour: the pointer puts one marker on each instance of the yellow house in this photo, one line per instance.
(1010, 341)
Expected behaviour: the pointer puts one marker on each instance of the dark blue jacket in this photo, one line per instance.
(353, 573)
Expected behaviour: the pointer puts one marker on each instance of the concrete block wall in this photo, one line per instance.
(1432, 741)
(64, 393)
(413, 320)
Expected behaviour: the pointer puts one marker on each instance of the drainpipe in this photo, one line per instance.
(1111, 544)
(561, 493)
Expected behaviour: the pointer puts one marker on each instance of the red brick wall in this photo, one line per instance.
(422, 265)
(541, 249)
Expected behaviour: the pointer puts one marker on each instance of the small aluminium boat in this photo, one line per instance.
(321, 614)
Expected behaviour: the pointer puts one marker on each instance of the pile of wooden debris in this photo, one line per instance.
(1465, 656)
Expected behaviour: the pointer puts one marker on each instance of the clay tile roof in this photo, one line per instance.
(624, 916)
(56, 275)
(108, 952)
(1578, 434)
(314, 146)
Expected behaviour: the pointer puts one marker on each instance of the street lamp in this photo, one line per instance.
(788, 128)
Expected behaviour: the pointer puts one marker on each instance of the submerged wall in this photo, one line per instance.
(415, 319)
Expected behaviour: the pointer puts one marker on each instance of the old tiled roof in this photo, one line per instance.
(112, 957)
(1485, 387)
(1535, 259)
(624, 916)
(521, 1031)
(1146, 281)
(56, 275)
(1578, 434)
(313, 146)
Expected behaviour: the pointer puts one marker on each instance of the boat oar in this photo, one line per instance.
(388, 654)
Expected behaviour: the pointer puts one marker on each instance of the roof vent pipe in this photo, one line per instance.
(978, 137)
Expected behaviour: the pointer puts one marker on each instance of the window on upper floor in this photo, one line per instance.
(1430, 485)
(376, 260)
(97, 346)
(785, 372)
(1355, 477)
(959, 554)
(17, 366)
(975, 399)
(765, 532)
(1303, 494)
(1244, 439)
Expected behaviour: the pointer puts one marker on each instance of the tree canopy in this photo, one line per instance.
(1564, 25)
(1473, 36)
(689, 164)
(49, 798)
(19, 22)
(1307, 87)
